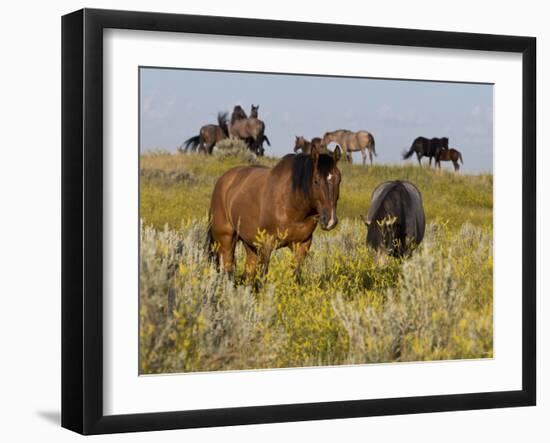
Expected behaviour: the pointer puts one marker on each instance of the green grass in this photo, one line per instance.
(183, 191)
(346, 309)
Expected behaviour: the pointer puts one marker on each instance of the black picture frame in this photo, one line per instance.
(82, 219)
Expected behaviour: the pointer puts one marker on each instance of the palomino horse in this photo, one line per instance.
(208, 136)
(425, 147)
(251, 130)
(452, 155)
(352, 142)
(272, 208)
(305, 146)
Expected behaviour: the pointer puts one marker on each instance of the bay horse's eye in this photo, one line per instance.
(315, 182)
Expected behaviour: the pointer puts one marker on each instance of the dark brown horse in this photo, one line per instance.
(254, 111)
(447, 155)
(257, 146)
(272, 208)
(305, 146)
(426, 147)
(208, 136)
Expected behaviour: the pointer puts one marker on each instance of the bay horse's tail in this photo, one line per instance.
(372, 143)
(460, 157)
(210, 245)
(192, 143)
(266, 140)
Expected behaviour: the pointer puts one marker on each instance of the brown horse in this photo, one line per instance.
(208, 136)
(305, 146)
(352, 142)
(238, 114)
(254, 111)
(272, 208)
(257, 146)
(447, 155)
(250, 130)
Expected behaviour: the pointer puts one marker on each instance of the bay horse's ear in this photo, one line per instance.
(337, 154)
(314, 155)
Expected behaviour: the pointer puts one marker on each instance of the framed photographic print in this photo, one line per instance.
(269, 221)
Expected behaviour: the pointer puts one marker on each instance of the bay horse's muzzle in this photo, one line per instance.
(328, 220)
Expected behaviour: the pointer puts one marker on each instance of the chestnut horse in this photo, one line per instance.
(270, 208)
(447, 155)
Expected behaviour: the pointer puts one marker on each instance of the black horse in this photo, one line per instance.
(395, 220)
(258, 146)
(425, 147)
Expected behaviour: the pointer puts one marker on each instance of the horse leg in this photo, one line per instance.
(226, 252)
(430, 157)
(251, 263)
(264, 254)
(256, 144)
(300, 251)
(419, 157)
(364, 155)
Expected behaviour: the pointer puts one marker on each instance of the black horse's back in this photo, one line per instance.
(396, 220)
(425, 147)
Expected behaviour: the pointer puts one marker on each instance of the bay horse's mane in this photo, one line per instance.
(302, 170)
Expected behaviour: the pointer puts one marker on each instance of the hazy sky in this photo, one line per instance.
(175, 103)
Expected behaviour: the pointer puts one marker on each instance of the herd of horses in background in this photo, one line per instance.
(251, 130)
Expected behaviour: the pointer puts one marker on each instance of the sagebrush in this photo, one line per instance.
(344, 307)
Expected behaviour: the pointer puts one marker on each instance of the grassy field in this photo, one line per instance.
(346, 309)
